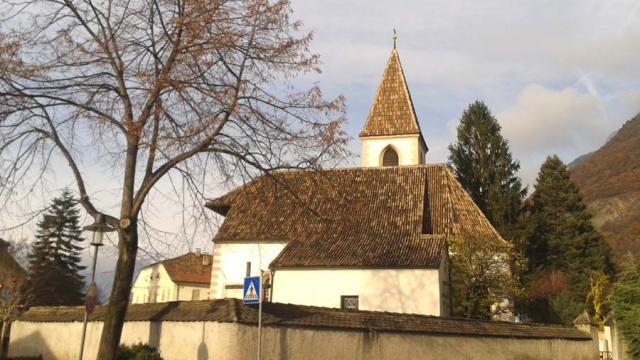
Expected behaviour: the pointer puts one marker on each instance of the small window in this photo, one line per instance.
(390, 157)
(349, 302)
(195, 294)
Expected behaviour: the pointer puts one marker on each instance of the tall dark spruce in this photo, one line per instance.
(483, 164)
(54, 262)
(563, 250)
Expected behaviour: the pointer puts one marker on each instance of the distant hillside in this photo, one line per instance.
(579, 160)
(609, 179)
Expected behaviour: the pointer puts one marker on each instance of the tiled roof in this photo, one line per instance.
(189, 268)
(583, 319)
(392, 111)
(9, 267)
(358, 217)
(299, 316)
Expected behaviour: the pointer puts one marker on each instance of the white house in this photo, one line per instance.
(185, 277)
(371, 238)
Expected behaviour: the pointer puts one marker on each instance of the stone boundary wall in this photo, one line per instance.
(221, 341)
(225, 329)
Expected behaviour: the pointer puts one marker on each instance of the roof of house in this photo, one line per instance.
(300, 316)
(392, 111)
(189, 268)
(390, 217)
(9, 267)
(583, 319)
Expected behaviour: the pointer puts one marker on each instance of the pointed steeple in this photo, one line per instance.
(392, 111)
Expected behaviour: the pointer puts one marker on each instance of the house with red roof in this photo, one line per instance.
(186, 277)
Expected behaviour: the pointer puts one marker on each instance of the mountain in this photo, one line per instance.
(609, 179)
(577, 161)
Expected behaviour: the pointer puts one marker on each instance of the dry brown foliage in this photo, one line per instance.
(199, 89)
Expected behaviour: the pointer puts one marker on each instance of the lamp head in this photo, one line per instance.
(99, 227)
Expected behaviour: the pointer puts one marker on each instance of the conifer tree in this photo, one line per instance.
(483, 164)
(54, 262)
(625, 301)
(562, 242)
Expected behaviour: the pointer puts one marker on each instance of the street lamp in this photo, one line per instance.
(99, 228)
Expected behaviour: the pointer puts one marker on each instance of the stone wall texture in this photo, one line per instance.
(218, 340)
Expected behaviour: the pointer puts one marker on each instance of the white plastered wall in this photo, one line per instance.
(230, 262)
(153, 284)
(409, 148)
(186, 292)
(415, 291)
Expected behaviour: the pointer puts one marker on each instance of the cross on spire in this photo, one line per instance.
(395, 38)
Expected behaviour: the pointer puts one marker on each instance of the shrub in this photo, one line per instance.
(138, 352)
(625, 301)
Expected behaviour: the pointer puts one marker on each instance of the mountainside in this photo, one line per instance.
(609, 180)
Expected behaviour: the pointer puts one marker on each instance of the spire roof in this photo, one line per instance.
(392, 111)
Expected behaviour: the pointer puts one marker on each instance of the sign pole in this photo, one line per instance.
(260, 317)
(90, 300)
(252, 295)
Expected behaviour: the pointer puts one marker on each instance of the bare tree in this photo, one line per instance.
(14, 294)
(155, 88)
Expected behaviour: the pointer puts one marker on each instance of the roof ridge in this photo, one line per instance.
(370, 168)
(220, 199)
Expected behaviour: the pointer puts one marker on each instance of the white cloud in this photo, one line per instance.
(568, 122)
(557, 121)
(460, 44)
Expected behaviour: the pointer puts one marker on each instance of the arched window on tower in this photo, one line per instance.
(390, 157)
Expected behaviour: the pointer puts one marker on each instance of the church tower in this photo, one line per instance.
(391, 135)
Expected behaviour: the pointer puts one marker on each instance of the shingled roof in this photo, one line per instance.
(391, 217)
(300, 316)
(9, 267)
(392, 111)
(189, 268)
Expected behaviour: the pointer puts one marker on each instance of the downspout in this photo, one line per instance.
(273, 281)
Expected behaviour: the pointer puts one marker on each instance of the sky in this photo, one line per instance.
(560, 77)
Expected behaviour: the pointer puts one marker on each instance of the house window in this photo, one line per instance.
(390, 157)
(349, 302)
(195, 294)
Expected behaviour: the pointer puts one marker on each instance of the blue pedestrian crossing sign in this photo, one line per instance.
(251, 290)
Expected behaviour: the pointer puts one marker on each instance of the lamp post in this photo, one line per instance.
(99, 228)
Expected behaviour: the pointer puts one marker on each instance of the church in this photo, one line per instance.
(370, 238)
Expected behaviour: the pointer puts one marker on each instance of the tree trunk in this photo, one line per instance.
(4, 339)
(119, 300)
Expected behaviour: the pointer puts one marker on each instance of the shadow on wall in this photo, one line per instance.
(410, 294)
(203, 351)
(284, 344)
(155, 330)
(33, 344)
(153, 284)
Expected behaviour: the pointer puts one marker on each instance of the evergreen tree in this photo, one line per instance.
(562, 243)
(483, 164)
(625, 301)
(54, 262)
